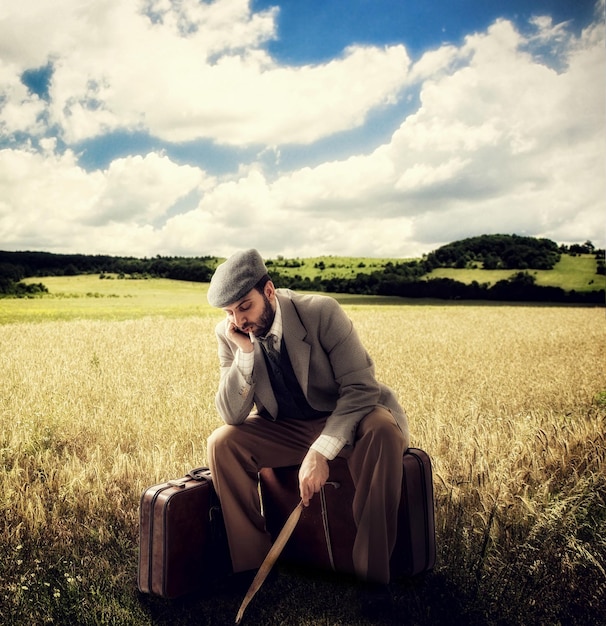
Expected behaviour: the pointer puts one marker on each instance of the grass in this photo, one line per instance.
(570, 273)
(509, 401)
(332, 266)
(88, 297)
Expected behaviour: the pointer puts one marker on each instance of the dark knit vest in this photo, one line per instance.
(292, 402)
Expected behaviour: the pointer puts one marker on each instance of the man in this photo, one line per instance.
(298, 387)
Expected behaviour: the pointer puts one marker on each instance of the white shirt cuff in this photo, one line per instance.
(328, 446)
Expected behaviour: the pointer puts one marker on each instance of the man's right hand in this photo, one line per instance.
(242, 340)
(313, 475)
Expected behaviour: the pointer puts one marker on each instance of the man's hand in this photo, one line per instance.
(313, 475)
(242, 340)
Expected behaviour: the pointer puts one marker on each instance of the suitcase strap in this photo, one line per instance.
(199, 474)
(324, 510)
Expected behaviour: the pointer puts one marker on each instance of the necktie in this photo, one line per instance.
(270, 349)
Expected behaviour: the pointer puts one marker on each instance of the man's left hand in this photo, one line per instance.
(313, 475)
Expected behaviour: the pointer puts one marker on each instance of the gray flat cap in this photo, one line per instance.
(233, 279)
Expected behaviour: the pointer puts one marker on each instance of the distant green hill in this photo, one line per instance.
(490, 267)
(331, 266)
(570, 272)
(493, 252)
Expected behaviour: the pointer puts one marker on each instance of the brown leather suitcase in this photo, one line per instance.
(325, 533)
(181, 536)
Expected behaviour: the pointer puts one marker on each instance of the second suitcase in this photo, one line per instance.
(182, 539)
(326, 531)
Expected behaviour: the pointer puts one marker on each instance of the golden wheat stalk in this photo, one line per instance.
(271, 558)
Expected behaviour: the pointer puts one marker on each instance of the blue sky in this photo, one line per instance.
(316, 31)
(358, 127)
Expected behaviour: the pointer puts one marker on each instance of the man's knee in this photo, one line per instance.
(229, 447)
(381, 427)
(218, 440)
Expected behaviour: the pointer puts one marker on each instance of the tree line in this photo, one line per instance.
(520, 287)
(16, 266)
(411, 279)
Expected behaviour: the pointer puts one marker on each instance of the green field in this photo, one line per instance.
(571, 273)
(112, 390)
(333, 266)
(88, 297)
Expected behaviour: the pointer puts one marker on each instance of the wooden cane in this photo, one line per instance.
(271, 558)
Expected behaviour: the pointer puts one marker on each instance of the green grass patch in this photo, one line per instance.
(576, 273)
(87, 297)
(330, 266)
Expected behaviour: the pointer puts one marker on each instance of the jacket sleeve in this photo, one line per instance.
(358, 392)
(235, 396)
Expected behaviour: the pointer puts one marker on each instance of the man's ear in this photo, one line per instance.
(269, 290)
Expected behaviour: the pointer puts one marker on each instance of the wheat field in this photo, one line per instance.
(510, 402)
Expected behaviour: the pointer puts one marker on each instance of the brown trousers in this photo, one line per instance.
(237, 453)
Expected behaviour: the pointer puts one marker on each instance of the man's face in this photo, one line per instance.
(255, 312)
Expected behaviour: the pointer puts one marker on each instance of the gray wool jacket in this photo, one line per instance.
(332, 366)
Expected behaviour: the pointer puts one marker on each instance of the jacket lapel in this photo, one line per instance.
(294, 334)
(299, 352)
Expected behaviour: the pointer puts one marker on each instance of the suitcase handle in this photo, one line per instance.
(199, 474)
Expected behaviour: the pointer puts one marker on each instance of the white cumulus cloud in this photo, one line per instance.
(507, 136)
